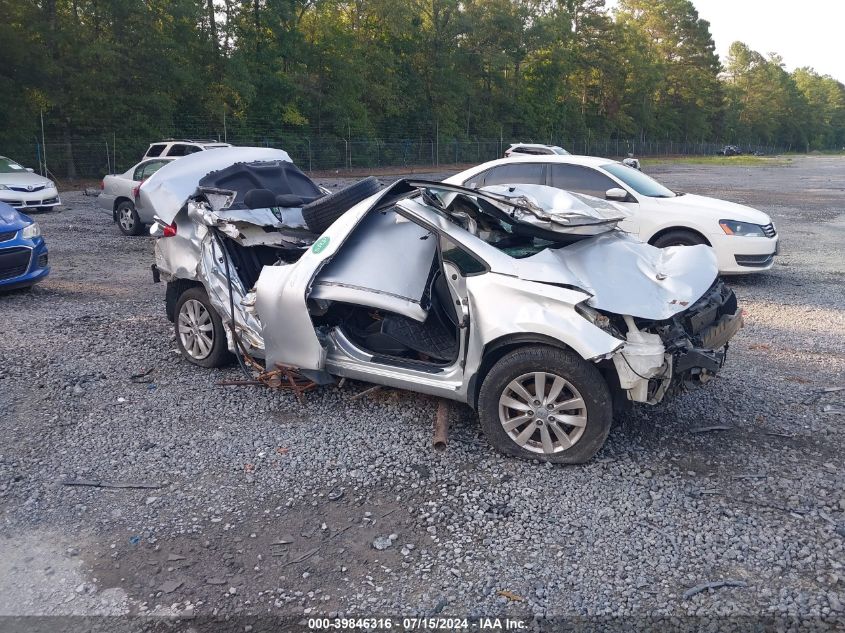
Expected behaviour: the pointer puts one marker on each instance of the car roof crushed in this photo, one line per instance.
(541, 206)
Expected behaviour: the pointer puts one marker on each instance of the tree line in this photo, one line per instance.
(526, 69)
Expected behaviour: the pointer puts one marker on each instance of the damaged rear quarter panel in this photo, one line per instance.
(178, 257)
(194, 254)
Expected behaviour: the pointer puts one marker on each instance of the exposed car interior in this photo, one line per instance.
(261, 185)
(277, 185)
(387, 292)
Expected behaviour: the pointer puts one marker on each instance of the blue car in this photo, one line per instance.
(23, 252)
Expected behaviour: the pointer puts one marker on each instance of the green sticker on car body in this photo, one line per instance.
(320, 245)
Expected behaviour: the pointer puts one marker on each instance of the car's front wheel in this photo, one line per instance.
(199, 330)
(127, 219)
(679, 237)
(545, 403)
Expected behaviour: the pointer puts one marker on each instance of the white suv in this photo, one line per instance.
(181, 147)
(534, 149)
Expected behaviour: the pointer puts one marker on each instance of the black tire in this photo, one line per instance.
(678, 237)
(580, 374)
(321, 214)
(127, 219)
(218, 354)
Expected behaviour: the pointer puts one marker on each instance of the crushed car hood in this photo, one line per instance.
(626, 276)
(724, 209)
(167, 190)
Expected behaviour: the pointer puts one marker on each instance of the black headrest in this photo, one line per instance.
(292, 200)
(259, 199)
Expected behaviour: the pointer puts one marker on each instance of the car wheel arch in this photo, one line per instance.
(678, 227)
(117, 202)
(173, 292)
(498, 348)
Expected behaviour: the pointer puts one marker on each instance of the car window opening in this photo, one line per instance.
(638, 181)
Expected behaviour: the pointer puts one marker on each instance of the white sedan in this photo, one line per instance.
(22, 188)
(120, 190)
(743, 238)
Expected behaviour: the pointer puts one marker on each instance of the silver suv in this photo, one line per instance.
(180, 147)
(523, 301)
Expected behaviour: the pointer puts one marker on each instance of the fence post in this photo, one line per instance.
(43, 145)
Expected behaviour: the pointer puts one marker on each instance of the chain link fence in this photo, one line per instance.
(92, 158)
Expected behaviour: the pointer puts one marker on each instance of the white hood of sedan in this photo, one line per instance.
(626, 276)
(24, 178)
(167, 190)
(722, 208)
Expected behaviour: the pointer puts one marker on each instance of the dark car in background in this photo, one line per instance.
(23, 253)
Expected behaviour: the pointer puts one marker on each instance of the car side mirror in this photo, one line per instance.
(616, 193)
(30, 170)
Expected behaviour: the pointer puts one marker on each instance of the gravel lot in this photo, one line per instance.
(266, 506)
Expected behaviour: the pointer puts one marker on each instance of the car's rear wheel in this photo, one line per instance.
(127, 219)
(199, 330)
(545, 403)
(679, 237)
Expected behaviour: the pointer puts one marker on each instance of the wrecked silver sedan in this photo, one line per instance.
(523, 301)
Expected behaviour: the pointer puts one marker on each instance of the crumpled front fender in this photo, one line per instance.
(501, 305)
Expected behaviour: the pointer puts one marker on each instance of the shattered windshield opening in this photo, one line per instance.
(495, 220)
(638, 181)
(519, 220)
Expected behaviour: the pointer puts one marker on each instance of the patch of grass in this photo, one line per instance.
(734, 161)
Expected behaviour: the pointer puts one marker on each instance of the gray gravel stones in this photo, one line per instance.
(382, 543)
(659, 511)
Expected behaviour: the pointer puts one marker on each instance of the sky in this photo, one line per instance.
(804, 32)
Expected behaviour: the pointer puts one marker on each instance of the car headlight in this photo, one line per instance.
(741, 229)
(30, 231)
(4, 188)
(50, 184)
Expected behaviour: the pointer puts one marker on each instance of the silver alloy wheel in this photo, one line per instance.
(542, 412)
(127, 222)
(196, 330)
